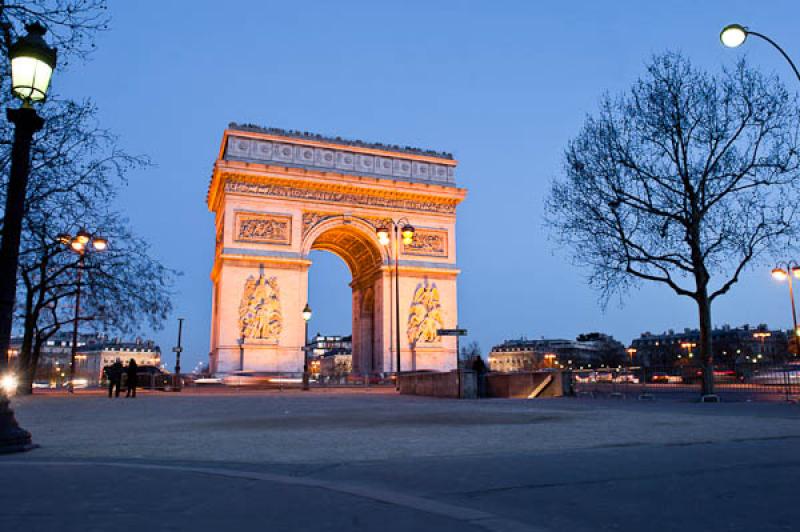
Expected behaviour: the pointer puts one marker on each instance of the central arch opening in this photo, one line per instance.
(357, 247)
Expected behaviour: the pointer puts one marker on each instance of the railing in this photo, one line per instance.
(755, 381)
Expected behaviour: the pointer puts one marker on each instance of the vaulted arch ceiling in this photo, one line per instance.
(359, 253)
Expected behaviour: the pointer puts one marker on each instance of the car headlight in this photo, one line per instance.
(9, 383)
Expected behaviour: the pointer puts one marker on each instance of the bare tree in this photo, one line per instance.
(77, 169)
(686, 181)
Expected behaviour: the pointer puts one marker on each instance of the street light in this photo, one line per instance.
(734, 35)
(82, 243)
(306, 318)
(407, 233)
(762, 336)
(784, 272)
(32, 64)
(689, 346)
(177, 385)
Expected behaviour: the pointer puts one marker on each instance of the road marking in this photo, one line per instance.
(486, 520)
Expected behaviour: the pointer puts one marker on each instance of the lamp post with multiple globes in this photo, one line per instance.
(81, 243)
(784, 272)
(32, 64)
(400, 227)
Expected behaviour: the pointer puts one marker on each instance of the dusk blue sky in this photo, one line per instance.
(501, 84)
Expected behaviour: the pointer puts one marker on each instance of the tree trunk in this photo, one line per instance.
(706, 348)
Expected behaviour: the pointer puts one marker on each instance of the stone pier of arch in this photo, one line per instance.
(277, 196)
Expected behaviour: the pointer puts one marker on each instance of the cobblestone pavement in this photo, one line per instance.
(372, 460)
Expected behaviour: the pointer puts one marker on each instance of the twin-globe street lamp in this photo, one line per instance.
(32, 64)
(81, 243)
(784, 272)
(401, 227)
(734, 35)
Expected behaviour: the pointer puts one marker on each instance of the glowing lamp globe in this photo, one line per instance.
(383, 236)
(733, 35)
(77, 245)
(99, 243)
(779, 274)
(83, 237)
(32, 64)
(408, 234)
(307, 312)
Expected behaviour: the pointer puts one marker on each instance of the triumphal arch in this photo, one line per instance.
(278, 195)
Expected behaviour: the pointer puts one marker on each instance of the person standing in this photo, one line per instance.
(480, 369)
(114, 374)
(133, 369)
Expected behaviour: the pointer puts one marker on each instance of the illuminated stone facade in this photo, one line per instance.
(278, 195)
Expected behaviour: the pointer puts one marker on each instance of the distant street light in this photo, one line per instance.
(784, 272)
(306, 318)
(631, 351)
(401, 227)
(734, 35)
(762, 336)
(82, 243)
(32, 65)
(178, 349)
(689, 346)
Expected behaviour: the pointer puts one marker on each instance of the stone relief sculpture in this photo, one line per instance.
(260, 309)
(427, 242)
(263, 228)
(425, 315)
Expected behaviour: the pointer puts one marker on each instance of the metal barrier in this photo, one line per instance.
(755, 381)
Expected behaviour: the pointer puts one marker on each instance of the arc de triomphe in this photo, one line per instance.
(277, 195)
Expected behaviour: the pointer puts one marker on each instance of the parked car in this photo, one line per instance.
(626, 378)
(666, 378)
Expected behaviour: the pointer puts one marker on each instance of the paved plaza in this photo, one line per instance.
(372, 460)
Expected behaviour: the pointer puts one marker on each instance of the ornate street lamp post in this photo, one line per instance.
(82, 243)
(404, 228)
(734, 35)
(306, 318)
(32, 64)
(784, 272)
(178, 385)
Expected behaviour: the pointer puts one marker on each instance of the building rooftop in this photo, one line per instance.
(305, 135)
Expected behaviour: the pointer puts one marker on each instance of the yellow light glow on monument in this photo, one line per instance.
(779, 274)
(733, 35)
(408, 234)
(383, 236)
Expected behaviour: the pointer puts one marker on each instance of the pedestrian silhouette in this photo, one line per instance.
(132, 378)
(114, 374)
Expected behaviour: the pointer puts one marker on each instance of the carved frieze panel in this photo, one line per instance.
(425, 315)
(267, 151)
(338, 197)
(260, 309)
(312, 218)
(428, 242)
(263, 228)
